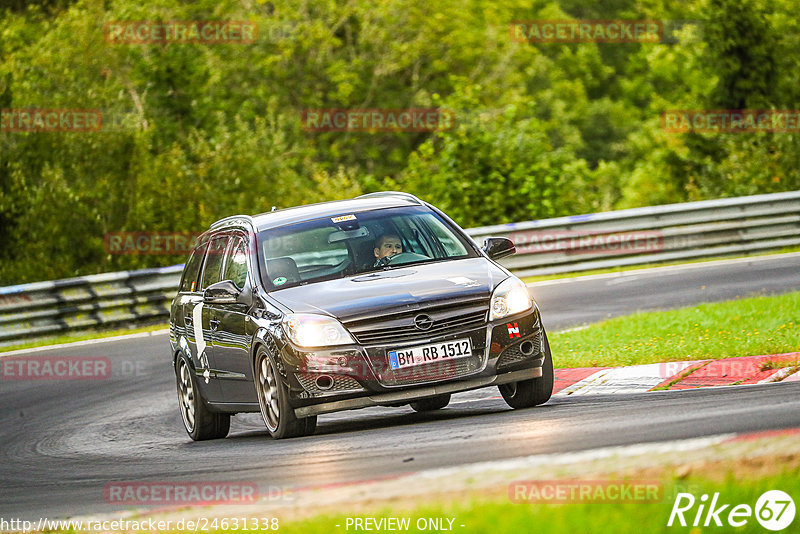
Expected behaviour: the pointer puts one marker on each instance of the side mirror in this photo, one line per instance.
(498, 247)
(224, 292)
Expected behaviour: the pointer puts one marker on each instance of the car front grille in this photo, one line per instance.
(400, 327)
(396, 330)
(433, 372)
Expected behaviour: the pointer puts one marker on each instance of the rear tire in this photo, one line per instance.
(434, 403)
(200, 422)
(273, 398)
(533, 392)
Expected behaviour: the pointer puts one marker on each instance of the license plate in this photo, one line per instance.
(435, 352)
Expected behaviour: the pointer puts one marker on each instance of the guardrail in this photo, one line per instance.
(673, 232)
(43, 309)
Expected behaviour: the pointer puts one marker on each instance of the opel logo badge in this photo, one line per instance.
(423, 322)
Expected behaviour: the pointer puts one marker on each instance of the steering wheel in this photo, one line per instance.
(403, 257)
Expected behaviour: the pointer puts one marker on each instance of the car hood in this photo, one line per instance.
(398, 289)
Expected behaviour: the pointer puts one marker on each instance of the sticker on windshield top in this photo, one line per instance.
(279, 281)
(343, 218)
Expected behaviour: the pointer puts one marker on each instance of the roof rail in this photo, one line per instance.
(232, 218)
(407, 196)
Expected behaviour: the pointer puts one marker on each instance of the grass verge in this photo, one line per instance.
(499, 515)
(745, 327)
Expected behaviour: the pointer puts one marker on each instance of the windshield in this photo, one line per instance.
(355, 243)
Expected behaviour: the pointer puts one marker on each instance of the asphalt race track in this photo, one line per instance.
(62, 441)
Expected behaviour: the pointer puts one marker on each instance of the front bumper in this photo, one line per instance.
(359, 375)
(413, 394)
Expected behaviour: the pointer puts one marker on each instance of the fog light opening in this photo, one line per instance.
(324, 382)
(526, 348)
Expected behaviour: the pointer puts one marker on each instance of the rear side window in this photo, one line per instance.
(214, 257)
(192, 270)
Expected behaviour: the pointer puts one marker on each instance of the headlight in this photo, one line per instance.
(310, 330)
(509, 298)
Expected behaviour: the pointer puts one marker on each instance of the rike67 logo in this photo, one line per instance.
(774, 510)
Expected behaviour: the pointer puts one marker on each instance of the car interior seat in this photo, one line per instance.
(283, 267)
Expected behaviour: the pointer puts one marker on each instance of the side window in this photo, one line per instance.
(236, 264)
(214, 256)
(192, 270)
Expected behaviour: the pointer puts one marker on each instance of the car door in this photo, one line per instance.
(230, 355)
(203, 325)
(191, 334)
(188, 296)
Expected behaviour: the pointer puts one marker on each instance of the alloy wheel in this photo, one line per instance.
(186, 396)
(269, 393)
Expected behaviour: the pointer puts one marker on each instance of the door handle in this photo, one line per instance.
(214, 324)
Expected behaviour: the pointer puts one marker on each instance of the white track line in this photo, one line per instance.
(525, 463)
(667, 268)
(794, 377)
(86, 342)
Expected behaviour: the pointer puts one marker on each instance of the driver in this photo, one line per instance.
(386, 246)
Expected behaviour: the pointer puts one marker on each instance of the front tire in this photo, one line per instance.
(273, 398)
(200, 422)
(533, 392)
(434, 403)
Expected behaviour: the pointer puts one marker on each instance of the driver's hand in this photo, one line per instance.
(383, 262)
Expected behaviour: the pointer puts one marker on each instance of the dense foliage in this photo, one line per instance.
(195, 132)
